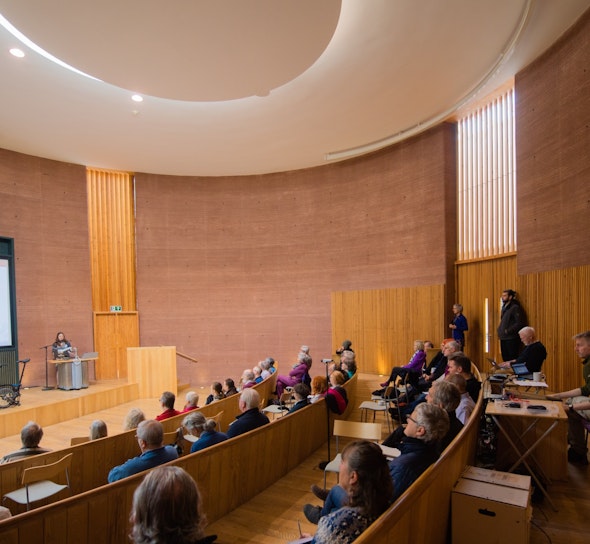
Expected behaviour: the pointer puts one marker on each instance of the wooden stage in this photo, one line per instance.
(56, 405)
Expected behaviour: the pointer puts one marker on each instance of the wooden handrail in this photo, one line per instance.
(185, 356)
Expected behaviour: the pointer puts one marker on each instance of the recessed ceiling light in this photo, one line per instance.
(137, 98)
(17, 52)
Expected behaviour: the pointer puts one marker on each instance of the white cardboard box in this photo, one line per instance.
(490, 507)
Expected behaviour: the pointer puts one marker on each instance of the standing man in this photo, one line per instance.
(512, 319)
(458, 325)
(577, 405)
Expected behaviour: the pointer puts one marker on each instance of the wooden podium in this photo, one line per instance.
(153, 369)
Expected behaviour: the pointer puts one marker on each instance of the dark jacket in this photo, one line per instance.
(247, 421)
(512, 319)
(145, 461)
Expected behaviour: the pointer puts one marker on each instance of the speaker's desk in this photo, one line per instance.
(72, 373)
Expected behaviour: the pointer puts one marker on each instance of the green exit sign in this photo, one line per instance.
(116, 308)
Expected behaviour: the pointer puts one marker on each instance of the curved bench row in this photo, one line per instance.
(93, 460)
(228, 474)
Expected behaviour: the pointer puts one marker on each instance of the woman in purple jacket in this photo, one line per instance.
(297, 374)
(413, 368)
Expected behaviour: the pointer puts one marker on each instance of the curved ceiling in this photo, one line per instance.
(237, 87)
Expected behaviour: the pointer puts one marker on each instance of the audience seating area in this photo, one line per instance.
(240, 467)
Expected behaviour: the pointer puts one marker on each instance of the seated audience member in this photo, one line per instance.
(305, 350)
(167, 508)
(459, 363)
(534, 353)
(336, 396)
(366, 491)
(319, 386)
(229, 388)
(167, 401)
(301, 392)
(150, 436)
(192, 402)
(98, 429)
(445, 395)
(271, 365)
(427, 425)
(196, 424)
(216, 393)
(297, 374)
(30, 436)
(466, 405)
(346, 346)
(247, 380)
(133, 418)
(265, 369)
(577, 405)
(428, 345)
(257, 374)
(251, 417)
(413, 369)
(348, 364)
(438, 366)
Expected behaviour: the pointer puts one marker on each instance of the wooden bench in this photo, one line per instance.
(421, 514)
(228, 475)
(93, 460)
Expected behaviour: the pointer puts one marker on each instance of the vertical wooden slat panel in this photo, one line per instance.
(111, 225)
(383, 323)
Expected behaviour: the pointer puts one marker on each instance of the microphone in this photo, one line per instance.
(24, 360)
(325, 361)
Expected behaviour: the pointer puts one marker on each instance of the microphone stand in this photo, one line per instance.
(323, 464)
(46, 388)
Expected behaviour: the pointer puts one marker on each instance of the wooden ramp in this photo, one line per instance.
(56, 405)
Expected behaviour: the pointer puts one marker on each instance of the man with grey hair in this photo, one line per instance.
(251, 417)
(30, 436)
(150, 436)
(577, 405)
(532, 355)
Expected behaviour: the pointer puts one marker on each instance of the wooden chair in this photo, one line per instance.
(217, 418)
(74, 441)
(350, 429)
(38, 483)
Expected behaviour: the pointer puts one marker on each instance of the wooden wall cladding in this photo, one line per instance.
(112, 239)
(383, 323)
(114, 332)
(231, 270)
(553, 163)
(477, 281)
(558, 305)
(44, 210)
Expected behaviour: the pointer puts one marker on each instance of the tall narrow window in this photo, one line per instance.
(486, 182)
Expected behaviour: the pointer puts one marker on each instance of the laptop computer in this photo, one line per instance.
(521, 371)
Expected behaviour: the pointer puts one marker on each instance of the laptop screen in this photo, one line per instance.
(520, 369)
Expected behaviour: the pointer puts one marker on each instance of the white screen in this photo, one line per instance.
(5, 321)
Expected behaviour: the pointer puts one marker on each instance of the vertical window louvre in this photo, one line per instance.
(487, 181)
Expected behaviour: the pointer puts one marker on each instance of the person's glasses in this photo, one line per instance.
(410, 418)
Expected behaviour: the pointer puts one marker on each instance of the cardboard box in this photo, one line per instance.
(490, 507)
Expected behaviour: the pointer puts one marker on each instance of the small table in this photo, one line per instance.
(525, 442)
(527, 385)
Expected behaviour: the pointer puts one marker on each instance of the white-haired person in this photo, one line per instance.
(192, 402)
(251, 417)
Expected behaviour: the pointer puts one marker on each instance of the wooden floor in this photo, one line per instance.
(273, 516)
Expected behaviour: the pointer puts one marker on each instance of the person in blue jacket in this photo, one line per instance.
(150, 436)
(458, 325)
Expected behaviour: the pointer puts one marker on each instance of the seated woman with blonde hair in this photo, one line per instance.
(133, 418)
(196, 424)
(98, 429)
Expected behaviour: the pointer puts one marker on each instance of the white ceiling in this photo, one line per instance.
(237, 87)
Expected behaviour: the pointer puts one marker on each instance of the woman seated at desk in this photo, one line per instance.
(61, 347)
